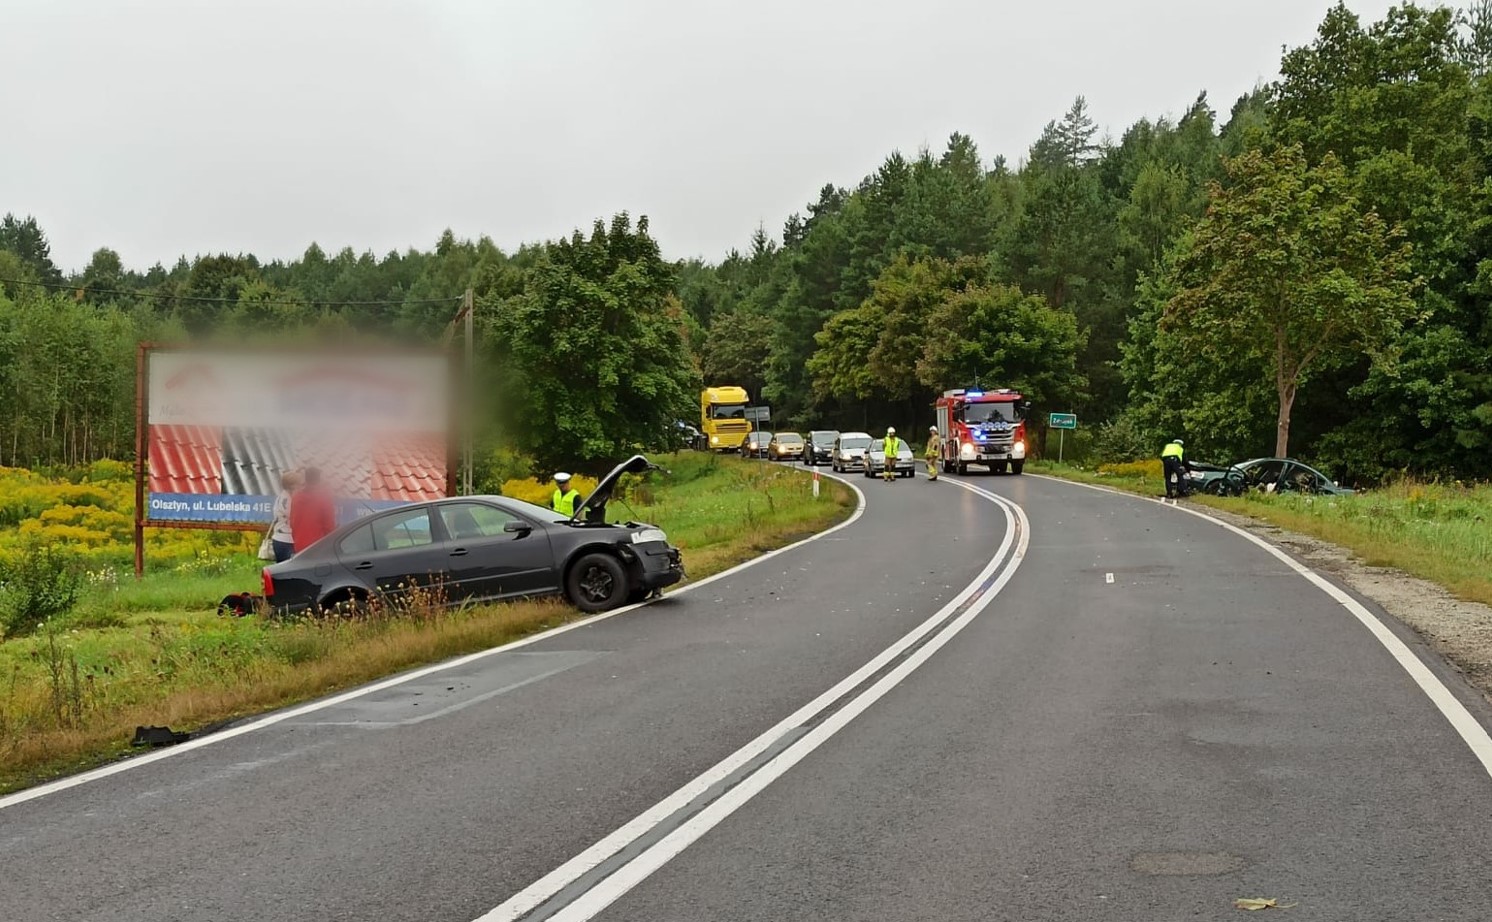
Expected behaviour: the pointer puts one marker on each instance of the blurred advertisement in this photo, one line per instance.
(224, 428)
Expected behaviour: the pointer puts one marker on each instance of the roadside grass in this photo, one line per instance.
(156, 653)
(1441, 532)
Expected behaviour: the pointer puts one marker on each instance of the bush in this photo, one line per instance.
(1122, 439)
(496, 467)
(1144, 470)
(40, 582)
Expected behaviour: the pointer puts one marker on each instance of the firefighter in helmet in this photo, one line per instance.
(934, 452)
(893, 450)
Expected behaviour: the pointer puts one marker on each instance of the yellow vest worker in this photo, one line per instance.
(565, 497)
(1173, 464)
(893, 449)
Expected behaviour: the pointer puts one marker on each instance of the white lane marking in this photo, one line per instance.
(62, 784)
(1470, 729)
(656, 855)
(1108, 577)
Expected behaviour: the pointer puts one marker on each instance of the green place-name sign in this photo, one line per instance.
(1063, 421)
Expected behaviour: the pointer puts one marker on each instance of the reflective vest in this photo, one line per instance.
(1172, 450)
(564, 503)
(893, 448)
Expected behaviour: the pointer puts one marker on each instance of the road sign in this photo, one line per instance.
(759, 414)
(1063, 420)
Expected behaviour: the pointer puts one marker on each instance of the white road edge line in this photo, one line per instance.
(1471, 730)
(115, 768)
(655, 856)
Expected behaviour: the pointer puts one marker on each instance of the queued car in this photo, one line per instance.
(875, 459)
(481, 548)
(1270, 475)
(785, 446)
(687, 435)
(756, 444)
(818, 448)
(848, 453)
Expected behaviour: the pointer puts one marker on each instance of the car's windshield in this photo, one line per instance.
(728, 411)
(789, 438)
(531, 511)
(989, 412)
(855, 442)
(761, 436)
(824, 438)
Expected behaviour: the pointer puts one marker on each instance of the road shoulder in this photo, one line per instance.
(1460, 631)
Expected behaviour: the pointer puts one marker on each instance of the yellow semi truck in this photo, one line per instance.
(722, 418)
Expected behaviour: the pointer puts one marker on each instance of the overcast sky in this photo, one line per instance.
(162, 128)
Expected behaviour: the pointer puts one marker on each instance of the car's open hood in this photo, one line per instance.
(594, 506)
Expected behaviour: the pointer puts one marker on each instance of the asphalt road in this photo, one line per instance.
(1078, 706)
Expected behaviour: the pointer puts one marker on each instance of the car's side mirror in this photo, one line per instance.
(517, 528)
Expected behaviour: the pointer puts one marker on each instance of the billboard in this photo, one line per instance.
(222, 426)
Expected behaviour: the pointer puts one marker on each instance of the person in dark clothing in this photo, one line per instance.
(1173, 461)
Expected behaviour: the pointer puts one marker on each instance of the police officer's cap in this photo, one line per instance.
(561, 477)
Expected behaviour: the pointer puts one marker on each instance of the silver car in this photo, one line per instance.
(849, 451)
(875, 464)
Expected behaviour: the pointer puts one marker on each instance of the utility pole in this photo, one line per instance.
(467, 306)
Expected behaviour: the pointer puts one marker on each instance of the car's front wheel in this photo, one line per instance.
(597, 583)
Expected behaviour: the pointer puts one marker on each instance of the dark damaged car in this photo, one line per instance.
(480, 549)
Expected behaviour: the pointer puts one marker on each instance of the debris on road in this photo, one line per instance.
(1252, 904)
(158, 736)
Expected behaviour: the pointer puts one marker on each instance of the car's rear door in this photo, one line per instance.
(396, 552)
(493, 552)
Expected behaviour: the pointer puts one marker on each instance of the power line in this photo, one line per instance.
(79, 289)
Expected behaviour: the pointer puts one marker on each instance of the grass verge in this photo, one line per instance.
(156, 653)
(1436, 531)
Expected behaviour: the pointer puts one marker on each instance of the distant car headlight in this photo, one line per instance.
(967, 451)
(645, 535)
(1018, 450)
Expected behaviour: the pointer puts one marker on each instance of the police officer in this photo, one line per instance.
(565, 496)
(934, 452)
(893, 450)
(1173, 460)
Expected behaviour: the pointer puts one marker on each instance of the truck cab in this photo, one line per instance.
(985, 427)
(723, 424)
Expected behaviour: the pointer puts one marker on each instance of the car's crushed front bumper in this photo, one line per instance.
(658, 565)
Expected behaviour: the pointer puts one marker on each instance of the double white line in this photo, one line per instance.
(585, 885)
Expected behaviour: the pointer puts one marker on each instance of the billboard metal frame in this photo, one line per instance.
(142, 420)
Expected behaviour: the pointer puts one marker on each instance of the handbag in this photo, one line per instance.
(267, 546)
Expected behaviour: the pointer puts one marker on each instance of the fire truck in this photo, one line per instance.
(985, 427)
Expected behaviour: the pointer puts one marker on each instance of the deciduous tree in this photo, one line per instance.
(1287, 267)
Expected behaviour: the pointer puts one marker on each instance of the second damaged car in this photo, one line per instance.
(480, 549)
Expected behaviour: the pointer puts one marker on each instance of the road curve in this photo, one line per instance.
(439, 798)
(1140, 715)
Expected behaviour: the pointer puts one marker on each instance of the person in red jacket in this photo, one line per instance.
(313, 515)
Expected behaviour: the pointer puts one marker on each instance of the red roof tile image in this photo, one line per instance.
(185, 459)
(409, 467)
(346, 464)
